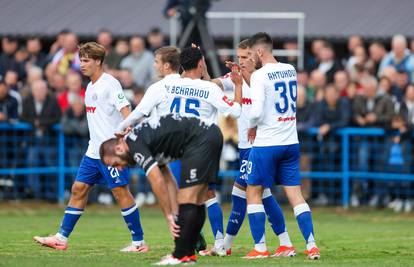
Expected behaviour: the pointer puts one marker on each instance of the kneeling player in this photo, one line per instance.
(154, 144)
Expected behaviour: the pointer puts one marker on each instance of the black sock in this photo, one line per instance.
(201, 217)
(188, 221)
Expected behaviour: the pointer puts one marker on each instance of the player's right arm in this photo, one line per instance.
(149, 101)
(258, 98)
(223, 103)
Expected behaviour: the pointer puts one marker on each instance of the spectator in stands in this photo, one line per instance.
(407, 107)
(333, 112)
(328, 64)
(316, 85)
(372, 109)
(112, 59)
(400, 83)
(155, 38)
(354, 41)
(357, 63)
(35, 55)
(75, 127)
(9, 46)
(293, 60)
(41, 110)
(8, 105)
(140, 61)
(399, 57)
(341, 82)
(313, 58)
(58, 44)
(13, 85)
(73, 89)
(67, 58)
(34, 73)
(377, 52)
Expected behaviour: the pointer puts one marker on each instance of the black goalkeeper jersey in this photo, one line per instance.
(166, 140)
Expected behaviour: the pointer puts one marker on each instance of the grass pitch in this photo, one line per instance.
(356, 237)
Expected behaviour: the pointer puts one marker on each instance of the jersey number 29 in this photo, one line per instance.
(288, 93)
(190, 106)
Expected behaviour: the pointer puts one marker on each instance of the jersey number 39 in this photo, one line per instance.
(190, 106)
(287, 98)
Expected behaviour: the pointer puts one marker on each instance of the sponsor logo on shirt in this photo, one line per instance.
(121, 96)
(292, 118)
(246, 101)
(228, 101)
(90, 109)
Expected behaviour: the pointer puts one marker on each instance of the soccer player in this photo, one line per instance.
(274, 156)
(272, 208)
(106, 106)
(191, 96)
(158, 141)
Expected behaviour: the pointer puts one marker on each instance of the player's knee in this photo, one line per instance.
(120, 192)
(79, 190)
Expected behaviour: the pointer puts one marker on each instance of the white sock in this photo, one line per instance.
(138, 243)
(61, 237)
(310, 245)
(261, 247)
(218, 243)
(284, 239)
(228, 241)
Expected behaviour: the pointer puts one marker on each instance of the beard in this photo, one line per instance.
(127, 157)
(258, 63)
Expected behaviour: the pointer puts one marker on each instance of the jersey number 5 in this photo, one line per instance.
(190, 106)
(287, 97)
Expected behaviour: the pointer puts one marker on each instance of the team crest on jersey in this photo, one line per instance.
(95, 96)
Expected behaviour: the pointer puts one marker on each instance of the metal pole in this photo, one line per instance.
(173, 30)
(61, 166)
(236, 34)
(345, 170)
(301, 42)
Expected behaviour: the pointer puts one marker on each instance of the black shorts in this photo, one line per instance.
(201, 160)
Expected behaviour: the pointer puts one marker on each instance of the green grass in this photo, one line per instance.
(356, 237)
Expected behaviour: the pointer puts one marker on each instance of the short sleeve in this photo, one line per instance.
(117, 95)
(150, 100)
(227, 83)
(141, 153)
(221, 101)
(257, 88)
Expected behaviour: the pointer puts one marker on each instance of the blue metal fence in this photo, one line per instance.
(361, 161)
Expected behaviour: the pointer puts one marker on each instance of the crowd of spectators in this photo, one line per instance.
(370, 87)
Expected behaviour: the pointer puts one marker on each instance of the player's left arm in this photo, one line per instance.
(157, 181)
(258, 97)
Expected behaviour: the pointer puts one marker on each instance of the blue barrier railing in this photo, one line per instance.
(343, 165)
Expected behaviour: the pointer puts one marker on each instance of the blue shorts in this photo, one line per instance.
(241, 179)
(274, 164)
(93, 171)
